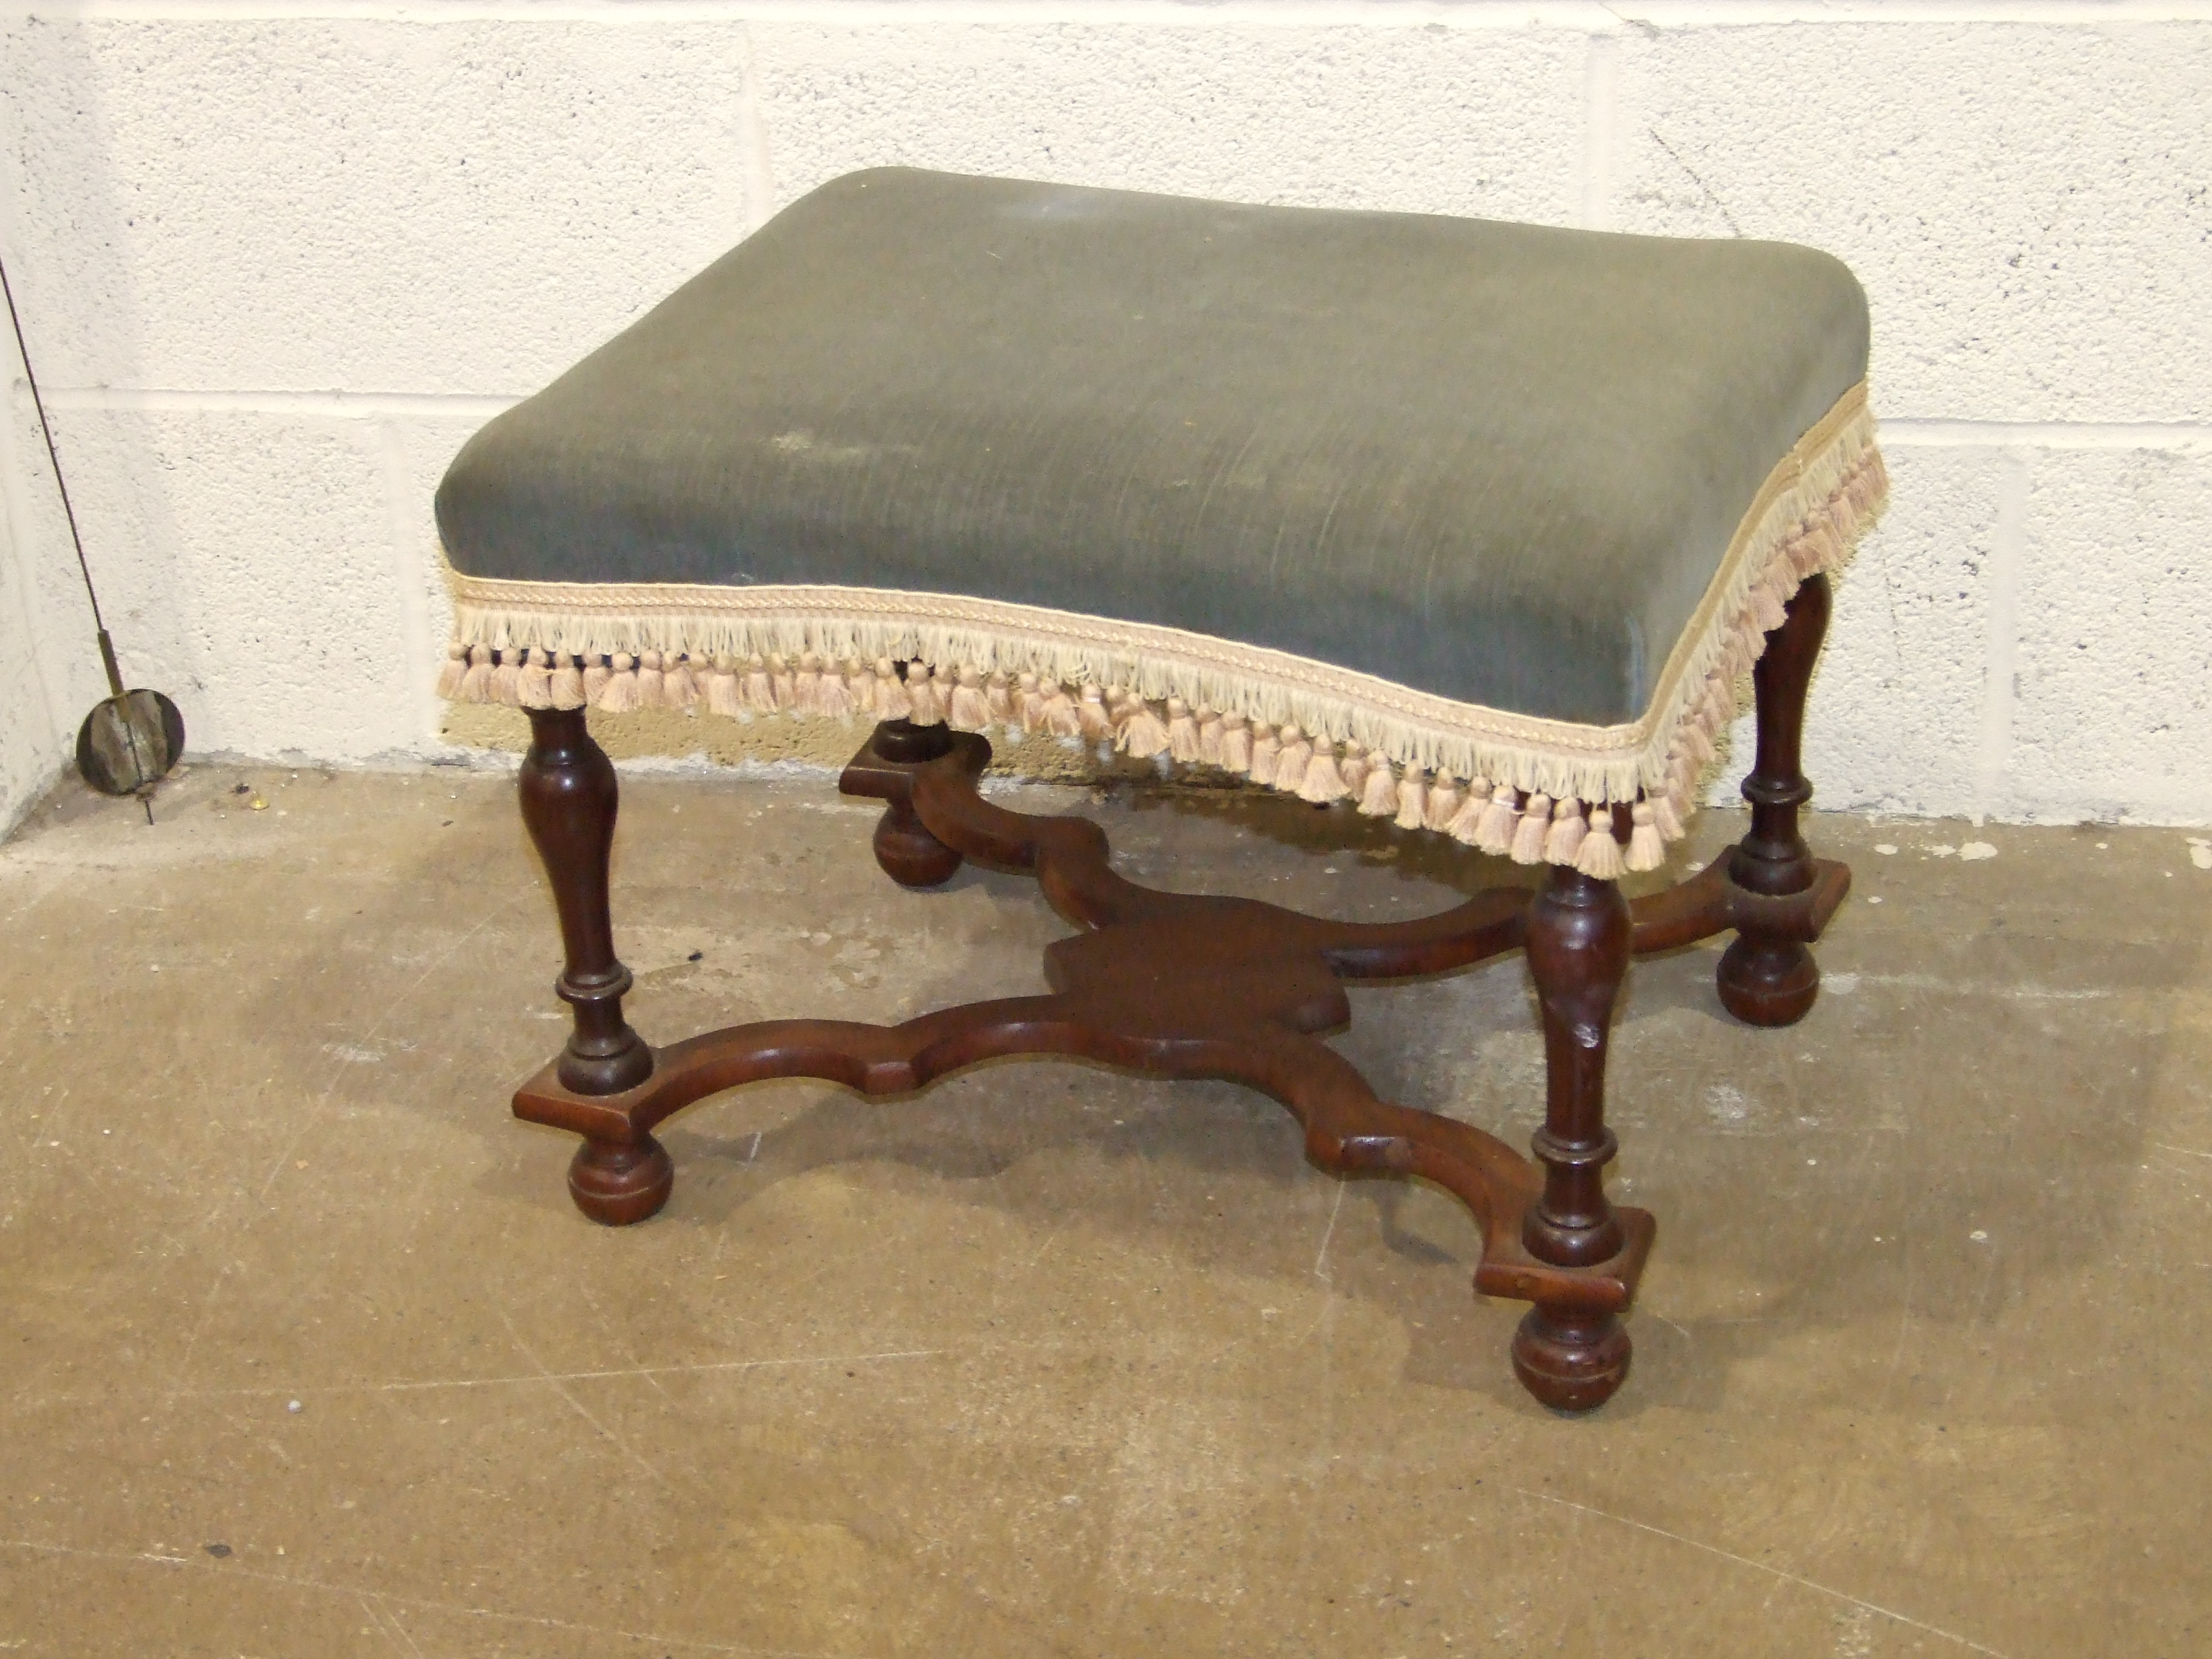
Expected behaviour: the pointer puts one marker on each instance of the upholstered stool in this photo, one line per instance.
(1473, 526)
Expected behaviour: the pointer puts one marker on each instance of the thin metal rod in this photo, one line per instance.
(48, 432)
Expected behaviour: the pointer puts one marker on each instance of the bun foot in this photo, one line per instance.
(1767, 982)
(908, 854)
(617, 1184)
(1570, 1362)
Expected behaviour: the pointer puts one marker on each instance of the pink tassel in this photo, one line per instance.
(1564, 839)
(1728, 668)
(1267, 753)
(1599, 857)
(968, 709)
(533, 686)
(922, 696)
(1682, 780)
(1127, 705)
(1413, 800)
(450, 676)
(1032, 701)
(1817, 549)
(1868, 488)
(504, 686)
(1352, 767)
(859, 687)
(1143, 734)
(1870, 491)
(1443, 801)
(1535, 823)
(649, 678)
(1669, 819)
(680, 685)
(1646, 850)
(1322, 782)
(1293, 754)
(831, 700)
(1843, 525)
(1062, 717)
(759, 687)
(1859, 503)
(1182, 732)
(619, 695)
(892, 703)
(1092, 721)
(724, 695)
(566, 687)
(787, 684)
(999, 702)
(1718, 708)
(1235, 745)
(1748, 646)
(1875, 484)
(596, 676)
(806, 685)
(476, 681)
(1378, 796)
(1767, 607)
(1209, 736)
(1494, 833)
(1467, 820)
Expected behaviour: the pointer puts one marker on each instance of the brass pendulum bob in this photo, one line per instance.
(131, 739)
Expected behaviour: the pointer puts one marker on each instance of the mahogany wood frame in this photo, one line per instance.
(1179, 987)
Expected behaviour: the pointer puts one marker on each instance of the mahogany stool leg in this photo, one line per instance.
(1766, 979)
(1578, 943)
(905, 851)
(568, 799)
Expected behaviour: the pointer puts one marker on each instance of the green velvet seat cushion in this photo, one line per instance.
(1500, 464)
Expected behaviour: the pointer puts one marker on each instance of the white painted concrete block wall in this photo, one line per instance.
(279, 259)
(33, 737)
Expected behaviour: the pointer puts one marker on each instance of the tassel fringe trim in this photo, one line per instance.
(1537, 791)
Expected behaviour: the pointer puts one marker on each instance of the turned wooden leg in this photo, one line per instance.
(568, 798)
(1578, 942)
(1766, 980)
(908, 852)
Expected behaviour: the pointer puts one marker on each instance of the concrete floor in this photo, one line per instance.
(309, 1354)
